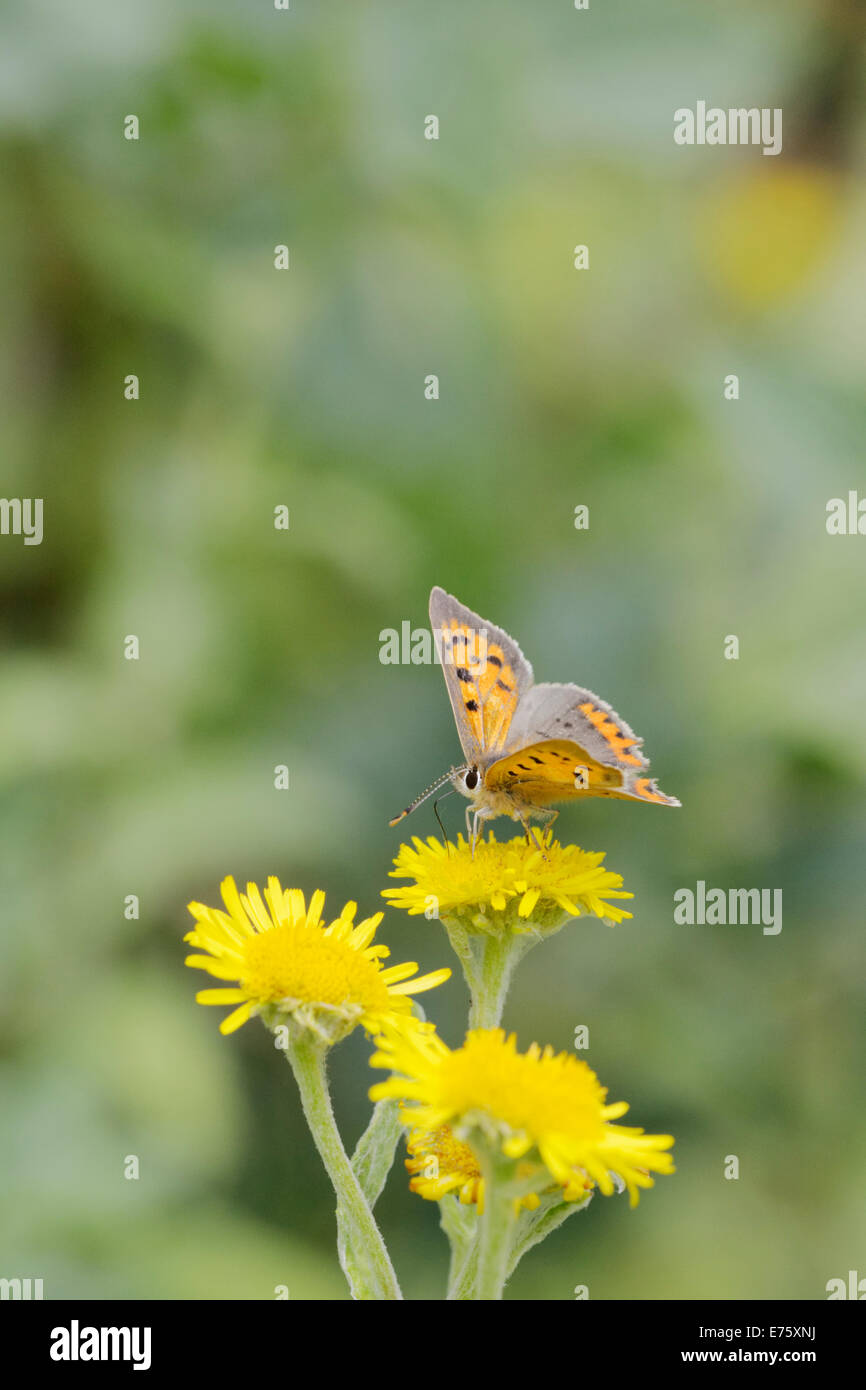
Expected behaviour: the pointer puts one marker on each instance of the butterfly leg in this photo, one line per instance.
(548, 824)
(476, 830)
(547, 815)
(470, 838)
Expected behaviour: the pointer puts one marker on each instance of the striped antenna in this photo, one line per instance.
(423, 797)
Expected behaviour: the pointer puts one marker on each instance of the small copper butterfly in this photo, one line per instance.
(527, 746)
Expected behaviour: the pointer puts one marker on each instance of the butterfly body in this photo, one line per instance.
(527, 747)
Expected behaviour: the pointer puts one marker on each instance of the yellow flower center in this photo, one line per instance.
(529, 1092)
(453, 1156)
(291, 962)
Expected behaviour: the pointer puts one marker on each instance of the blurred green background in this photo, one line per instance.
(259, 647)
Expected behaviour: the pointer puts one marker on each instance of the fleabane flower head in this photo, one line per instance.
(541, 1106)
(440, 1163)
(517, 884)
(289, 965)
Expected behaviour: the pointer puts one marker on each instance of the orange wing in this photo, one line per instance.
(487, 686)
(485, 672)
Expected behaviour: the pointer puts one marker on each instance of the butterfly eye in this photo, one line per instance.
(470, 781)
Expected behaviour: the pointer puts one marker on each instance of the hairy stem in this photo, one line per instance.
(368, 1256)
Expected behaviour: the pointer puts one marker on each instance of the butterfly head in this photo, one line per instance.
(486, 802)
(467, 781)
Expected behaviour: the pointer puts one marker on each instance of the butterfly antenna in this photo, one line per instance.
(440, 782)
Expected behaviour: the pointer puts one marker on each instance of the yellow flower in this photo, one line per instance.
(288, 963)
(549, 1107)
(511, 884)
(442, 1163)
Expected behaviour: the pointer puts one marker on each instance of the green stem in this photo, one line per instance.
(462, 1285)
(497, 1227)
(496, 958)
(369, 1253)
(371, 1164)
(460, 1224)
(488, 959)
(460, 945)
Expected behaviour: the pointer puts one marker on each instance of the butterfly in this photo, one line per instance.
(527, 747)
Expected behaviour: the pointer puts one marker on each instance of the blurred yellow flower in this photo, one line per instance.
(442, 1163)
(508, 884)
(288, 963)
(549, 1107)
(761, 235)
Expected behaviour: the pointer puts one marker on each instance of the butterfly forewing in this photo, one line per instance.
(486, 675)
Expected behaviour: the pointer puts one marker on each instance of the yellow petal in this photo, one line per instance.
(234, 1020)
(221, 970)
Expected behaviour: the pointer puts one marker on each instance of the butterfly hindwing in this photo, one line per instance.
(486, 675)
(596, 735)
(570, 712)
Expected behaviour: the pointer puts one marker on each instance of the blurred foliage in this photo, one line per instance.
(261, 647)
